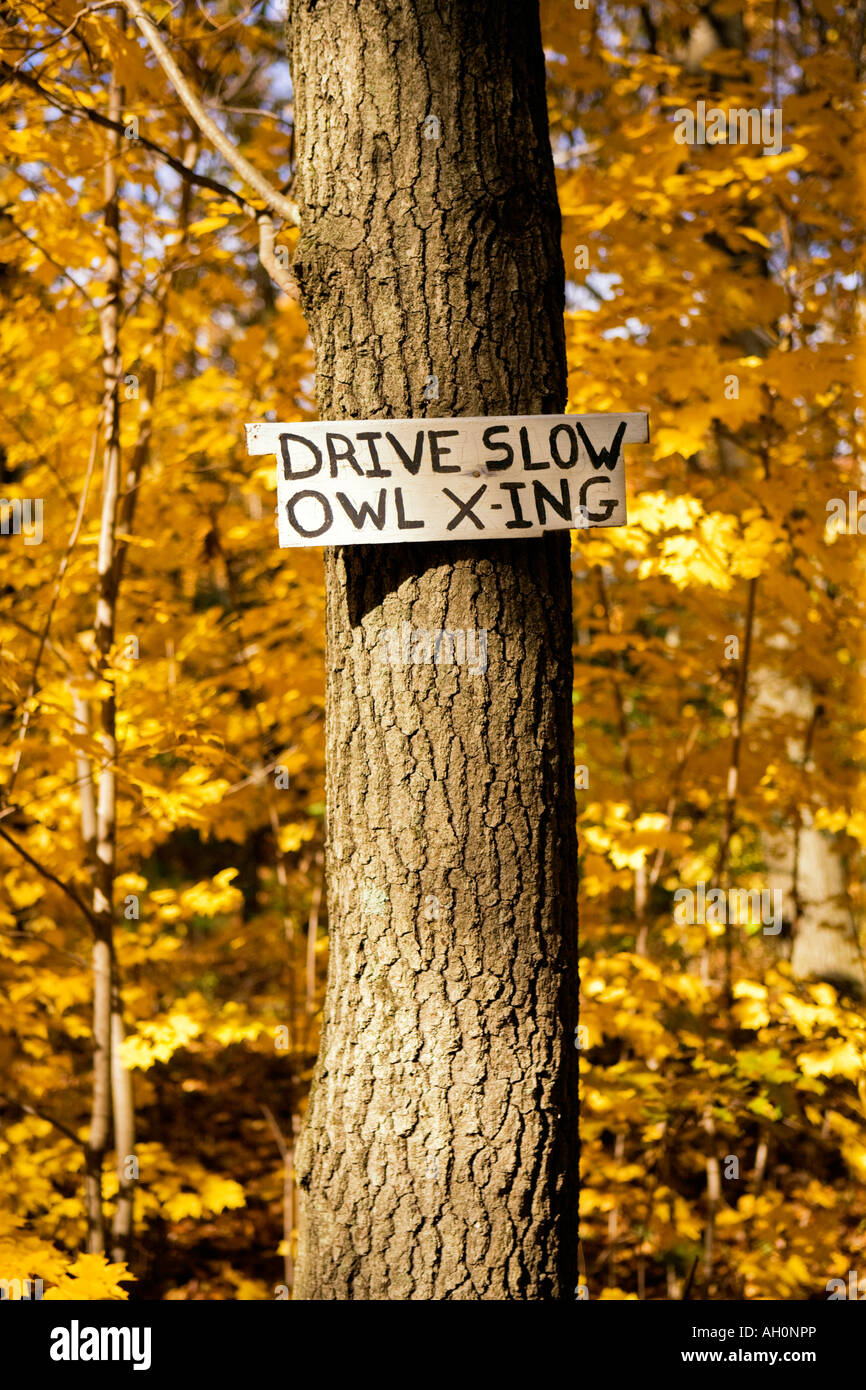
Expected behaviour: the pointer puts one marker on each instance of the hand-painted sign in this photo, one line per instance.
(469, 478)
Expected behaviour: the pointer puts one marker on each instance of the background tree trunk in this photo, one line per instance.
(438, 1158)
(807, 864)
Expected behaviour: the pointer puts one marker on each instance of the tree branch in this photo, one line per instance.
(41, 1115)
(280, 274)
(201, 180)
(277, 202)
(251, 176)
(46, 873)
(67, 275)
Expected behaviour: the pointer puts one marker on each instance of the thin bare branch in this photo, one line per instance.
(30, 939)
(47, 874)
(61, 269)
(42, 1115)
(280, 274)
(208, 127)
(200, 180)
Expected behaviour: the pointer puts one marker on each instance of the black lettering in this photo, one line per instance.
(574, 446)
(527, 454)
(519, 519)
(377, 471)
(605, 458)
(465, 507)
(359, 518)
(413, 463)
(348, 455)
(287, 463)
(562, 507)
(608, 503)
(436, 451)
(402, 523)
(490, 443)
(292, 503)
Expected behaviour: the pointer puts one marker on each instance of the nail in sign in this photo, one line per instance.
(470, 478)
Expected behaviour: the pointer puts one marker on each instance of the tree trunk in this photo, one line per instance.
(438, 1158)
(101, 834)
(807, 864)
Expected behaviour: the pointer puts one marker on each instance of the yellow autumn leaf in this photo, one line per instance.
(751, 1013)
(91, 1277)
(183, 1205)
(842, 1060)
(752, 234)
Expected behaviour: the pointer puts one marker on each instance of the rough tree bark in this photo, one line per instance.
(438, 1157)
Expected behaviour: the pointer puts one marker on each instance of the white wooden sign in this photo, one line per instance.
(472, 478)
